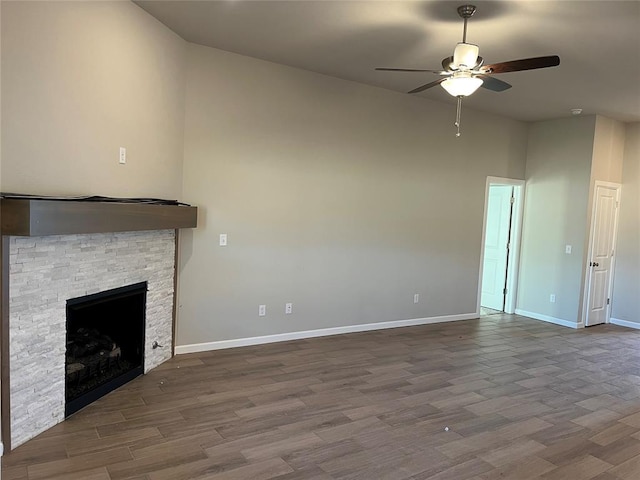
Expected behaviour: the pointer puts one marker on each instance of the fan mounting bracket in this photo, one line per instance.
(466, 11)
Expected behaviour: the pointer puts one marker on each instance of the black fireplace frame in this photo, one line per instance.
(72, 406)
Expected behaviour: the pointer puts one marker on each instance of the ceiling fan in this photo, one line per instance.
(465, 71)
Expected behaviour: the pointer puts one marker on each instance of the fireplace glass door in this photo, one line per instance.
(105, 343)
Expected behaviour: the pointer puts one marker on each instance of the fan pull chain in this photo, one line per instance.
(458, 113)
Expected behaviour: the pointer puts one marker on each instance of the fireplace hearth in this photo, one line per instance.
(105, 343)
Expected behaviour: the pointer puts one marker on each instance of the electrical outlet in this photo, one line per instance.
(123, 155)
(262, 310)
(288, 308)
(416, 297)
(223, 239)
(552, 298)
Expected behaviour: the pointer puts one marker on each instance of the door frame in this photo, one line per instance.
(513, 259)
(586, 294)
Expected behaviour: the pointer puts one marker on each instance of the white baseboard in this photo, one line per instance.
(624, 323)
(547, 318)
(322, 332)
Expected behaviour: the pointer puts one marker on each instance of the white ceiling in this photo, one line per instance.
(598, 43)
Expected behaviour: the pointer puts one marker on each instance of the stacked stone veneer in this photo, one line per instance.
(47, 271)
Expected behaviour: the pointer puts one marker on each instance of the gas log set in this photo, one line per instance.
(93, 358)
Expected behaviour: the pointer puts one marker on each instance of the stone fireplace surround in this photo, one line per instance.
(55, 249)
(46, 271)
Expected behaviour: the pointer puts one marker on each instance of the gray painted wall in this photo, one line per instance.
(558, 173)
(80, 80)
(626, 283)
(608, 151)
(341, 198)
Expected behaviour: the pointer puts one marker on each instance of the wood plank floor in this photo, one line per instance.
(503, 397)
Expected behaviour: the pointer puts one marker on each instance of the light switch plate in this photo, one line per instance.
(223, 239)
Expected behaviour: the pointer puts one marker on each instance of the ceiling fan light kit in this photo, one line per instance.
(461, 84)
(465, 72)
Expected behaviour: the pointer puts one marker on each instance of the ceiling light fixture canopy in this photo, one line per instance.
(461, 84)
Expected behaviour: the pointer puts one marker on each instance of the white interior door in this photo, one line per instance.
(496, 251)
(603, 234)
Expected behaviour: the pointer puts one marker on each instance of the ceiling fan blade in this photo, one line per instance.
(523, 64)
(493, 84)
(427, 85)
(407, 70)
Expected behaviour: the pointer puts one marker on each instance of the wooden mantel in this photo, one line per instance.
(31, 217)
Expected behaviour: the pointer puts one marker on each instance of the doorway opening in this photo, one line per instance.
(501, 235)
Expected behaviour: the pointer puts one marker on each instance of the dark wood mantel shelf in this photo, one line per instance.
(34, 218)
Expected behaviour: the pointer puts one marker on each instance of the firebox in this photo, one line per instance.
(105, 343)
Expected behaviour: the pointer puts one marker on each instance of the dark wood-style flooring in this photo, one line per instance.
(503, 397)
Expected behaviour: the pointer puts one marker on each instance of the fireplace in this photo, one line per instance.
(104, 343)
(46, 272)
(53, 250)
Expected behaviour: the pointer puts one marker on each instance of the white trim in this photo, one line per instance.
(602, 183)
(322, 332)
(624, 323)
(547, 318)
(516, 230)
